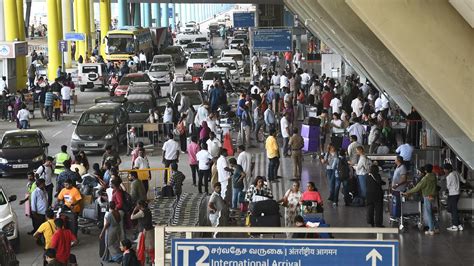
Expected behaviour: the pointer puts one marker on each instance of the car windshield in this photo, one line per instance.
(237, 41)
(211, 75)
(199, 56)
(194, 97)
(190, 25)
(90, 69)
(21, 141)
(236, 57)
(127, 79)
(161, 59)
(229, 65)
(120, 44)
(171, 50)
(96, 119)
(185, 41)
(138, 107)
(159, 68)
(194, 45)
(202, 39)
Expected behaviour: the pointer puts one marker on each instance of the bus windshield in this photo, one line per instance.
(120, 44)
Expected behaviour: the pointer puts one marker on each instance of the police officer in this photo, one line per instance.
(296, 143)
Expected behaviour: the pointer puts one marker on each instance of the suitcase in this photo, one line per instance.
(265, 221)
(167, 192)
(308, 131)
(395, 208)
(265, 207)
(345, 142)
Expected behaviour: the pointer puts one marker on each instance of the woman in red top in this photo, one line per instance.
(117, 195)
(312, 194)
(62, 241)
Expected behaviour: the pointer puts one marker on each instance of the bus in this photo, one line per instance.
(127, 41)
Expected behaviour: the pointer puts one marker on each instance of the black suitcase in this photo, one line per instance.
(265, 221)
(265, 207)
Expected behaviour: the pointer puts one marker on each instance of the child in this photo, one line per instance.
(57, 108)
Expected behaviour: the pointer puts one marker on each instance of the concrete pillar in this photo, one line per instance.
(93, 34)
(136, 15)
(54, 55)
(166, 15)
(67, 27)
(123, 13)
(21, 61)
(2, 25)
(83, 27)
(147, 14)
(104, 23)
(76, 18)
(157, 14)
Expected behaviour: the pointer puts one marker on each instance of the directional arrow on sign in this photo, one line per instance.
(374, 255)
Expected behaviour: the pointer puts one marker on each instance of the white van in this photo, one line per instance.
(235, 54)
(92, 75)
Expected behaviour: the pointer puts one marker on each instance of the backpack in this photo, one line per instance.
(128, 202)
(343, 169)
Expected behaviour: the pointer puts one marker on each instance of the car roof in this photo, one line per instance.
(201, 52)
(23, 131)
(139, 97)
(217, 69)
(231, 51)
(104, 106)
(160, 64)
(226, 60)
(162, 55)
(135, 74)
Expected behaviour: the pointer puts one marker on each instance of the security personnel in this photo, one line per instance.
(60, 158)
(296, 143)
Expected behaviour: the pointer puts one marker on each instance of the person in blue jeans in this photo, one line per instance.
(362, 170)
(331, 160)
(429, 191)
(238, 176)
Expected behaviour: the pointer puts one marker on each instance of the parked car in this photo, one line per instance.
(138, 107)
(232, 65)
(193, 47)
(161, 73)
(21, 151)
(8, 228)
(150, 88)
(195, 98)
(92, 75)
(101, 125)
(164, 59)
(190, 27)
(177, 53)
(235, 54)
(203, 40)
(236, 43)
(122, 87)
(198, 60)
(215, 72)
(182, 86)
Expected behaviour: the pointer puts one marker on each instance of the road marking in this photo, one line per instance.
(57, 133)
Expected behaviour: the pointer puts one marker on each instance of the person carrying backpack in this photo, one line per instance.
(342, 177)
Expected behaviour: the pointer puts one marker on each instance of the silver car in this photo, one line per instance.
(162, 73)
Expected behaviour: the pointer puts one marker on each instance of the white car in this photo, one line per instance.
(193, 47)
(235, 54)
(8, 219)
(200, 59)
(215, 72)
(203, 40)
(161, 73)
(233, 67)
(235, 43)
(190, 27)
(183, 41)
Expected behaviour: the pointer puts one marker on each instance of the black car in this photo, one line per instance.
(139, 106)
(101, 125)
(177, 52)
(22, 151)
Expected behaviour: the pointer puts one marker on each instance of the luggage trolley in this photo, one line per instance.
(410, 212)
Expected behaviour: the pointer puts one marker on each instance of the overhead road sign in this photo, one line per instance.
(63, 46)
(287, 252)
(74, 36)
(272, 40)
(244, 19)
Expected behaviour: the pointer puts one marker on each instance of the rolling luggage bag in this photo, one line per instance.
(266, 207)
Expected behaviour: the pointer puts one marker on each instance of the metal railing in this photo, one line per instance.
(160, 233)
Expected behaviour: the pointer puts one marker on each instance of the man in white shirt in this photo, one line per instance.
(305, 80)
(213, 145)
(143, 60)
(357, 106)
(24, 117)
(275, 81)
(141, 162)
(284, 81)
(378, 104)
(352, 150)
(201, 115)
(3, 85)
(204, 159)
(66, 97)
(285, 133)
(45, 171)
(336, 104)
(170, 153)
(358, 130)
(406, 151)
(223, 174)
(247, 161)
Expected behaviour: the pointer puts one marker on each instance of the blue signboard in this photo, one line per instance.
(244, 19)
(272, 40)
(288, 252)
(170, 12)
(73, 36)
(63, 46)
